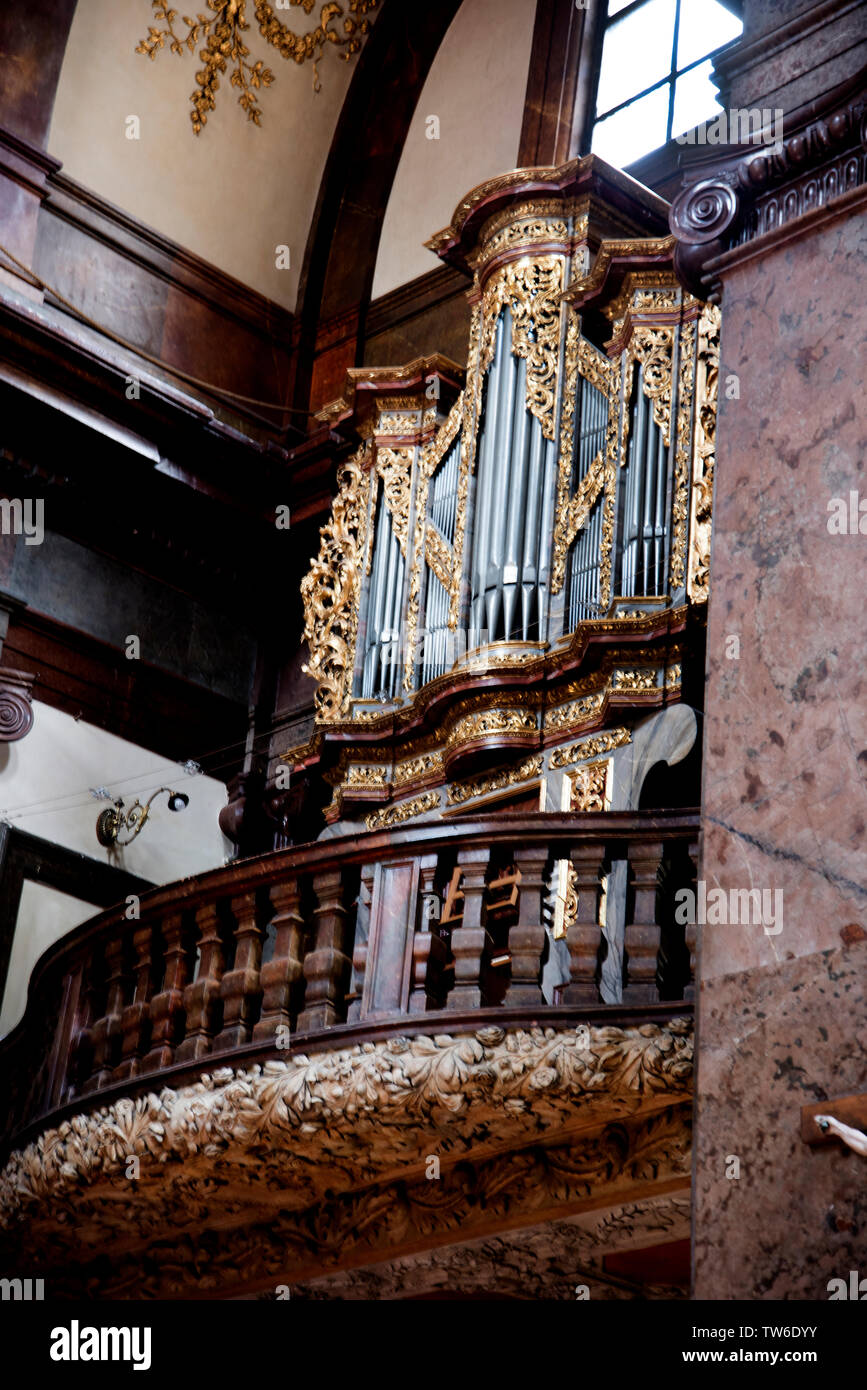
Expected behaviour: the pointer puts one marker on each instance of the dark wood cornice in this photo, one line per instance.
(132, 699)
(25, 154)
(738, 197)
(108, 224)
(414, 298)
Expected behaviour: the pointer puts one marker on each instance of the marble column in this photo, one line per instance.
(782, 242)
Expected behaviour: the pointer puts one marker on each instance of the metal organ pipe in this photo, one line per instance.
(443, 516)
(514, 506)
(586, 551)
(644, 529)
(381, 656)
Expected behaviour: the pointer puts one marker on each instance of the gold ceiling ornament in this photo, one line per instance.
(222, 31)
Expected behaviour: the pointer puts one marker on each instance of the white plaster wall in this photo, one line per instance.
(44, 782)
(476, 87)
(44, 915)
(234, 192)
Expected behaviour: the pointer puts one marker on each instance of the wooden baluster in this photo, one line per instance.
(167, 1006)
(642, 934)
(584, 934)
(107, 1029)
(87, 1042)
(527, 936)
(362, 941)
(60, 1075)
(429, 950)
(468, 940)
(240, 988)
(202, 996)
(137, 1013)
(280, 975)
(327, 968)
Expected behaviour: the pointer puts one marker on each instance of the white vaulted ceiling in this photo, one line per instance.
(476, 89)
(231, 194)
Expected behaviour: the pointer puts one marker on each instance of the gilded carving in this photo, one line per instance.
(566, 901)
(331, 591)
(680, 501)
(459, 792)
(530, 229)
(219, 41)
(608, 514)
(575, 712)
(704, 453)
(394, 467)
(589, 787)
(404, 810)
(424, 765)
(653, 347)
(439, 557)
(491, 721)
(531, 288)
(366, 776)
(572, 512)
(590, 747)
(634, 680)
(374, 494)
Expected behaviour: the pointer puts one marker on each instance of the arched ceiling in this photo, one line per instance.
(236, 192)
(231, 194)
(475, 90)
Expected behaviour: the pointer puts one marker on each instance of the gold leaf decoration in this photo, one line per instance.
(330, 591)
(222, 32)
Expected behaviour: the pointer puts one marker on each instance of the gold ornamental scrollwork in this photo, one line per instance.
(704, 453)
(590, 747)
(653, 348)
(405, 810)
(331, 591)
(589, 787)
(428, 546)
(394, 467)
(438, 556)
(459, 792)
(531, 289)
(608, 514)
(572, 513)
(219, 41)
(423, 765)
(680, 503)
(540, 224)
(470, 406)
(491, 721)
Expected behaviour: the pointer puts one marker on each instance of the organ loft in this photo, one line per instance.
(417, 461)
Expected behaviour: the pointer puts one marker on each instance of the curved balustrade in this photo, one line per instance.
(313, 945)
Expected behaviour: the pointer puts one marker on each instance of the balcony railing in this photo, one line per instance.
(346, 938)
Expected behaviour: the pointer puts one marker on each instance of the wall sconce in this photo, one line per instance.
(113, 822)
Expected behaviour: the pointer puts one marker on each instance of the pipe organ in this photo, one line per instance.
(515, 553)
